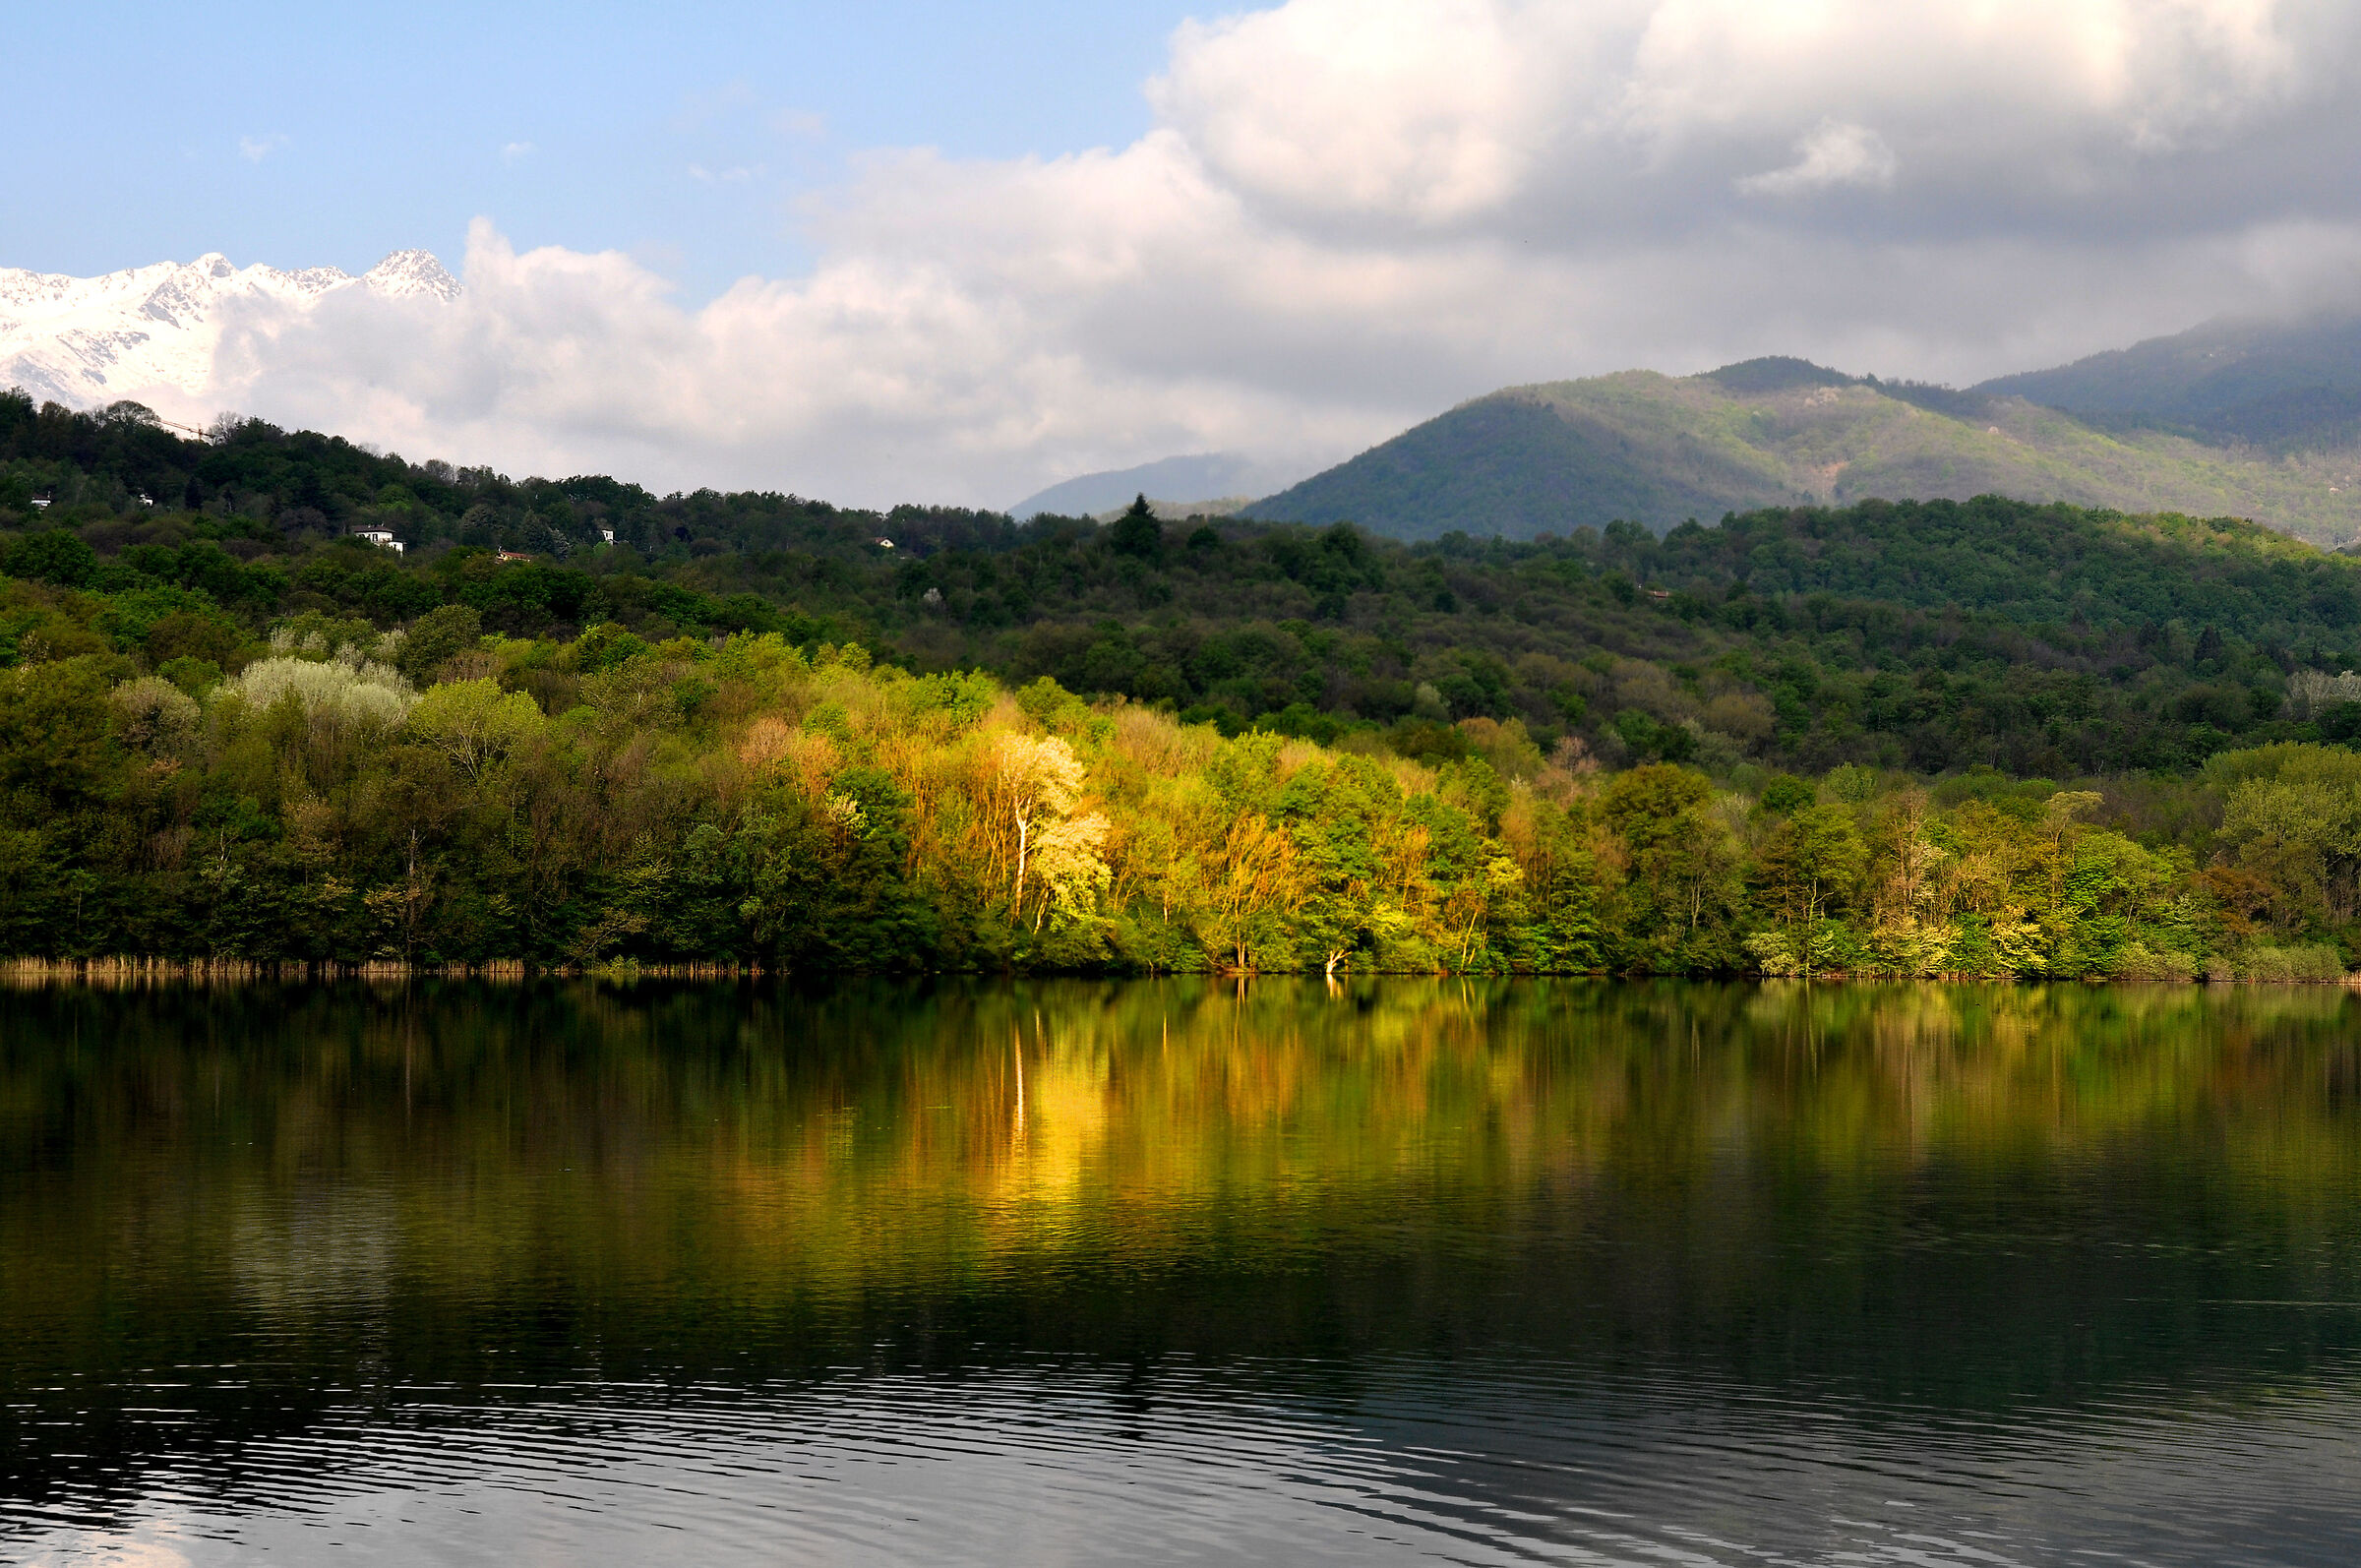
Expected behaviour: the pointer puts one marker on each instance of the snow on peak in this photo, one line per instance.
(407, 273)
(146, 331)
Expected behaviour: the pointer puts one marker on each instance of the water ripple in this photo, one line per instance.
(1066, 1462)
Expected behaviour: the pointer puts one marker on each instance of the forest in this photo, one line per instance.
(1979, 737)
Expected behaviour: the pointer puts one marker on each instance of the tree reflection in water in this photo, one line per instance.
(1974, 1201)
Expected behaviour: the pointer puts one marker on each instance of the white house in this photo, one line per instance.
(383, 538)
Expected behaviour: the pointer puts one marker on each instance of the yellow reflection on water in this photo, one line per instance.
(893, 1136)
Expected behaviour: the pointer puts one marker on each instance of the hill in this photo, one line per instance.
(1657, 450)
(1933, 636)
(2285, 387)
(1183, 485)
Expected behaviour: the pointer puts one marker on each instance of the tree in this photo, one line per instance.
(1328, 811)
(1256, 879)
(1807, 866)
(2302, 836)
(434, 637)
(1073, 870)
(474, 723)
(1035, 782)
(1681, 865)
(1137, 533)
(1902, 898)
(1553, 844)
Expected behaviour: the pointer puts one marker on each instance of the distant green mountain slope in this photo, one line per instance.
(2288, 386)
(1177, 481)
(1657, 450)
(1532, 460)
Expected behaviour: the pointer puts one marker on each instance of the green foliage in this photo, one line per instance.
(609, 797)
(1136, 533)
(751, 731)
(55, 556)
(1931, 638)
(436, 637)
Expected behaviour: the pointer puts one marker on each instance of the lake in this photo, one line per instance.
(1179, 1272)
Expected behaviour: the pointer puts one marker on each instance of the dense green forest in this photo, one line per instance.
(1976, 737)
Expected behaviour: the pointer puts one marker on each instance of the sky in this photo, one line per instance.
(953, 253)
(315, 135)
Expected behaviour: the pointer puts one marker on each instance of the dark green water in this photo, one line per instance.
(1180, 1272)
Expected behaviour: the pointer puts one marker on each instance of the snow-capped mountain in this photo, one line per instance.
(149, 330)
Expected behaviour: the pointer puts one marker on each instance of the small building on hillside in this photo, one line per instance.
(383, 538)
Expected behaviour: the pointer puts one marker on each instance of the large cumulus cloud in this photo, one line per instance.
(1351, 213)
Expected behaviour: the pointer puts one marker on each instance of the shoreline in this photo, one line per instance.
(28, 972)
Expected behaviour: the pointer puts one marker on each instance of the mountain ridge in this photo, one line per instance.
(1642, 447)
(88, 341)
(2279, 385)
(1194, 479)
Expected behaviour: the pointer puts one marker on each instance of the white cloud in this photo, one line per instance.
(518, 151)
(1833, 154)
(255, 148)
(1352, 213)
(1427, 110)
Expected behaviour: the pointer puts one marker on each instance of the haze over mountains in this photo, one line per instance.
(1201, 480)
(2287, 387)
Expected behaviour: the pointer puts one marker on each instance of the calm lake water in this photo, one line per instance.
(1180, 1272)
